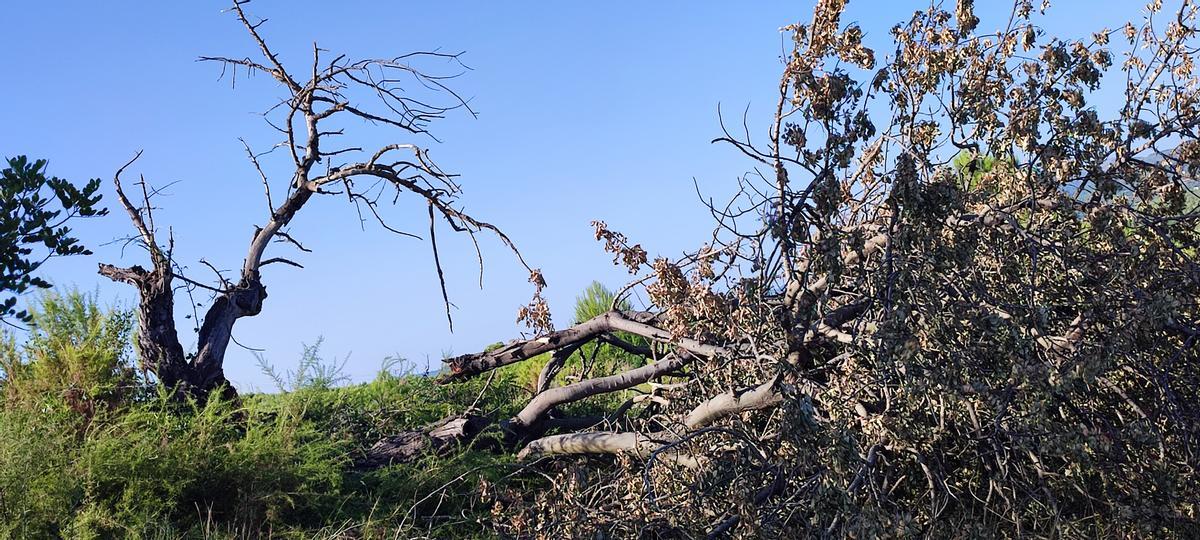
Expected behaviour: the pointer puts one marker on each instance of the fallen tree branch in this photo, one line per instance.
(574, 392)
(440, 438)
(626, 346)
(551, 369)
(762, 396)
(734, 402)
(604, 442)
(469, 365)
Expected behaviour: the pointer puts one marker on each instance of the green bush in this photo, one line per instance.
(76, 357)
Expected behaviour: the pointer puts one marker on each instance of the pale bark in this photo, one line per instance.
(601, 442)
(574, 392)
(762, 396)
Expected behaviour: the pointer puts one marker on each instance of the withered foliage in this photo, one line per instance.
(962, 302)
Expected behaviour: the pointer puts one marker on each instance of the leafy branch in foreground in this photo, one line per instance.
(34, 212)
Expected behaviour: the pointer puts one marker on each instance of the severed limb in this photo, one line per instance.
(762, 396)
(638, 323)
(553, 397)
(603, 442)
(733, 402)
(438, 438)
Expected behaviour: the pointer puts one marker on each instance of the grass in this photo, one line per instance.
(90, 449)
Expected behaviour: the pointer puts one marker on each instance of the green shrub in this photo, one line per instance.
(76, 357)
(34, 212)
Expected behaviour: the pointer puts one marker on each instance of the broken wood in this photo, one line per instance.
(638, 323)
(439, 439)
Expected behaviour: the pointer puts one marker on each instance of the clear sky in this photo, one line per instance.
(596, 110)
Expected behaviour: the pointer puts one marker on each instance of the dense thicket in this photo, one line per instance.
(961, 298)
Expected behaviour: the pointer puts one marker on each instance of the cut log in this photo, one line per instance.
(440, 438)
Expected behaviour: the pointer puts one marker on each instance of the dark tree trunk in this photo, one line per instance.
(159, 350)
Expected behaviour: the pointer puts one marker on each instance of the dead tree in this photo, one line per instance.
(321, 101)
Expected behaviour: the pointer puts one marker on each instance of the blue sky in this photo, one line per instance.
(586, 111)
